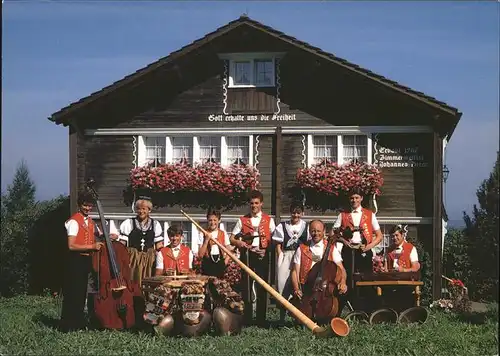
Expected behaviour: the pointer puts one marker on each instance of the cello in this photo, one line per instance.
(320, 293)
(113, 303)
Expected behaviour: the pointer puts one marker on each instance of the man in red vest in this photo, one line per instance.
(402, 255)
(310, 253)
(357, 226)
(252, 235)
(176, 257)
(81, 243)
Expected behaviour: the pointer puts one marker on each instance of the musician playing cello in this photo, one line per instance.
(252, 235)
(357, 226)
(81, 243)
(213, 261)
(311, 252)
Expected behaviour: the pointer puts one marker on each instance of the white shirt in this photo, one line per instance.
(72, 226)
(356, 219)
(294, 231)
(175, 252)
(127, 226)
(317, 253)
(215, 249)
(397, 252)
(255, 221)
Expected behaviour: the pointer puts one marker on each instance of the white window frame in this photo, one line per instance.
(141, 149)
(340, 147)
(250, 57)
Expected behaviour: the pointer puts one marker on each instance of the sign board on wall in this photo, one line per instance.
(401, 151)
(251, 118)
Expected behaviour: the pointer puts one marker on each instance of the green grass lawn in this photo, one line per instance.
(27, 329)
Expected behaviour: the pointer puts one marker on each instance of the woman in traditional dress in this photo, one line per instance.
(213, 260)
(143, 236)
(287, 237)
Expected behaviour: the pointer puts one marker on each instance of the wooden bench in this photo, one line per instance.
(380, 284)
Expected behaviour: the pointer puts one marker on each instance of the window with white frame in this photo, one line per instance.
(155, 150)
(182, 149)
(238, 150)
(355, 147)
(210, 149)
(226, 150)
(325, 148)
(264, 72)
(339, 148)
(254, 72)
(242, 71)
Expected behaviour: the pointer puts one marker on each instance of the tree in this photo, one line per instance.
(456, 259)
(21, 193)
(482, 237)
(19, 211)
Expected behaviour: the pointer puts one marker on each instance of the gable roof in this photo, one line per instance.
(63, 115)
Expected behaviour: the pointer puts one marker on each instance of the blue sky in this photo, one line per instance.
(55, 53)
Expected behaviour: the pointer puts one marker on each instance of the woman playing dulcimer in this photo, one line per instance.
(143, 236)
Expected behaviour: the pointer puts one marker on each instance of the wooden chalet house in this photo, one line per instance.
(252, 94)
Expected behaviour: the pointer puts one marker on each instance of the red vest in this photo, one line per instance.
(85, 235)
(365, 224)
(404, 258)
(221, 238)
(264, 230)
(306, 259)
(180, 264)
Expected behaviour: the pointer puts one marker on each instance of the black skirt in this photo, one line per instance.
(211, 268)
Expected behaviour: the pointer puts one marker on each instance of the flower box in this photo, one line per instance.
(202, 185)
(326, 184)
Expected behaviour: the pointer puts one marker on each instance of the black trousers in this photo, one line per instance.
(362, 264)
(261, 268)
(75, 291)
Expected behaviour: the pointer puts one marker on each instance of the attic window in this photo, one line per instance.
(249, 70)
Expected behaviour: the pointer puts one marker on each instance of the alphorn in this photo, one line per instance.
(338, 326)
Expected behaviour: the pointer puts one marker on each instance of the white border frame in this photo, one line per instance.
(340, 147)
(237, 131)
(141, 148)
(250, 57)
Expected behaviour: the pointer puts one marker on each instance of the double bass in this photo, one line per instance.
(320, 292)
(113, 303)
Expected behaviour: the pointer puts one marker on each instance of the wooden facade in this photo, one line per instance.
(186, 94)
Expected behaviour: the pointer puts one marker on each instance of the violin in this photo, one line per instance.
(320, 291)
(113, 304)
